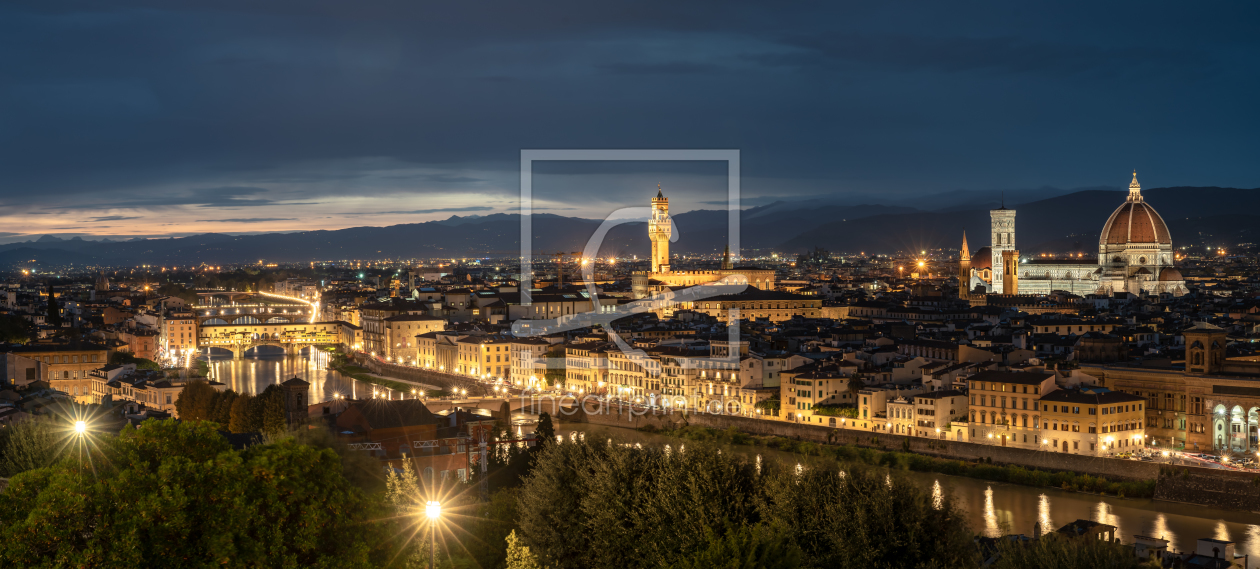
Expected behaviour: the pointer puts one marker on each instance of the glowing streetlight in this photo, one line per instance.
(80, 427)
(433, 510)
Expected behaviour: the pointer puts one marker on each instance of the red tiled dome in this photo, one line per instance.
(1170, 274)
(1135, 222)
(982, 258)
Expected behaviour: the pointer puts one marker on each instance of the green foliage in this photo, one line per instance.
(364, 374)
(867, 518)
(273, 418)
(845, 410)
(240, 418)
(197, 401)
(1055, 551)
(14, 329)
(745, 548)
(614, 506)
(54, 308)
(519, 556)
(546, 432)
(481, 530)
(28, 445)
(123, 358)
(176, 492)
(770, 405)
(901, 460)
(178, 291)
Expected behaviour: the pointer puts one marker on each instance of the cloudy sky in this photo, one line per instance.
(170, 118)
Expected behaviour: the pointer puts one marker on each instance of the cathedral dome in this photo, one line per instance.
(1135, 222)
(1170, 274)
(982, 258)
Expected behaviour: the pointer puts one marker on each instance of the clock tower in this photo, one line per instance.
(659, 230)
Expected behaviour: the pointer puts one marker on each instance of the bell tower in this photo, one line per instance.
(1010, 272)
(964, 270)
(659, 230)
(1205, 347)
(1002, 234)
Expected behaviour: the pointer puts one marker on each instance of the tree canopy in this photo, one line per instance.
(177, 492)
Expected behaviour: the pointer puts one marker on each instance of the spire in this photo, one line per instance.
(1135, 189)
(965, 253)
(658, 190)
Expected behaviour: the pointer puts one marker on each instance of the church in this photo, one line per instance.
(662, 277)
(1135, 255)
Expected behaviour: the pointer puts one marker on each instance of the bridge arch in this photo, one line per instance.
(277, 320)
(214, 322)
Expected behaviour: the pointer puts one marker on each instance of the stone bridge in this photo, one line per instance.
(291, 337)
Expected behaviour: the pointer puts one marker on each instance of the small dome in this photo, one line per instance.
(982, 258)
(1170, 274)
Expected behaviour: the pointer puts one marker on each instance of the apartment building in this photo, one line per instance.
(1093, 421)
(68, 367)
(1005, 408)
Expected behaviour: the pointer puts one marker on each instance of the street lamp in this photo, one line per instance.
(433, 510)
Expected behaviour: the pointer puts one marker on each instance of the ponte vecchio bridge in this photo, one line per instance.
(239, 322)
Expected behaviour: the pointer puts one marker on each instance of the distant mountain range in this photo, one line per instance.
(1060, 223)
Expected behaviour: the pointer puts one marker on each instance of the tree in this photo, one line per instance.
(1056, 551)
(54, 307)
(176, 491)
(745, 548)
(196, 401)
(239, 420)
(222, 410)
(28, 445)
(14, 329)
(546, 432)
(866, 518)
(596, 505)
(519, 556)
(273, 418)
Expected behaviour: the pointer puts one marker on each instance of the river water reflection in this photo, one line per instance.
(253, 374)
(995, 509)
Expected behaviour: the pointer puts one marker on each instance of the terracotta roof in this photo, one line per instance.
(398, 413)
(1170, 274)
(1135, 222)
(982, 258)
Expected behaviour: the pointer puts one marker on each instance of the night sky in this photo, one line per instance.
(172, 118)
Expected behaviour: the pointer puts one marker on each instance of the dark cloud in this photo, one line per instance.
(436, 210)
(246, 220)
(111, 218)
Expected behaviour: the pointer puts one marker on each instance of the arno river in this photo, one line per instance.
(253, 375)
(993, 508)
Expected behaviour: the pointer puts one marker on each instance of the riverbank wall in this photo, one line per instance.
(1194, 485)
(421, 375)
